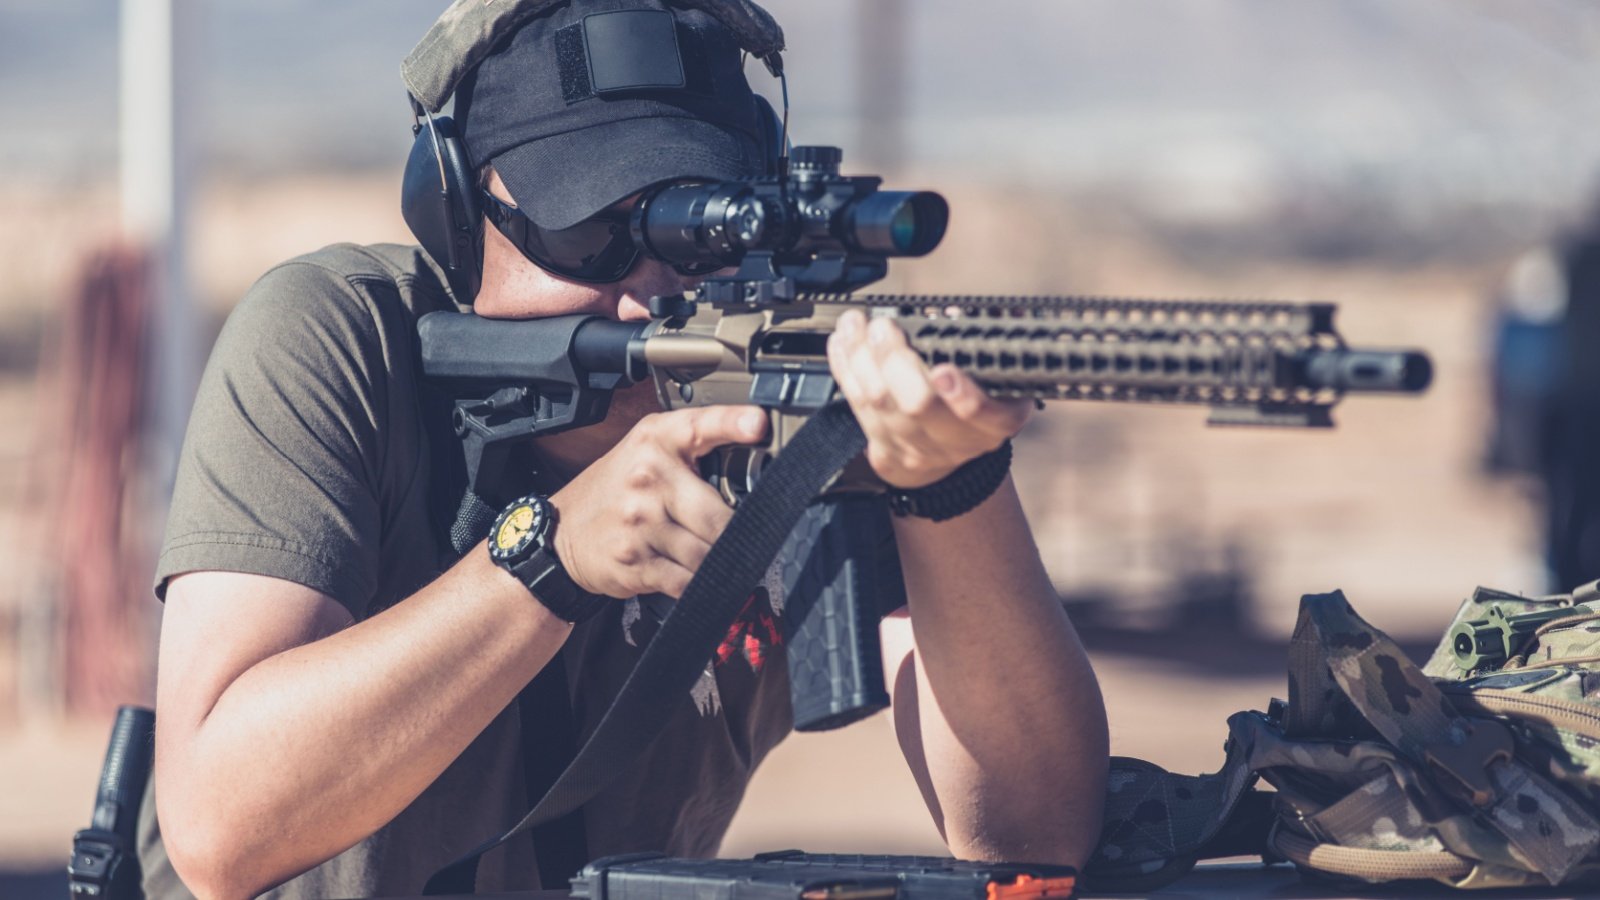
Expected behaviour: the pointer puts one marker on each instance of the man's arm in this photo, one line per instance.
(267, 691)
(286, 734)
(995, 704)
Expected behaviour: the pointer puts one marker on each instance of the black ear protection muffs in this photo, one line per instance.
(439, 201)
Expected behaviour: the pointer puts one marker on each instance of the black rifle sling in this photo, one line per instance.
(549, 742)
(675, 657)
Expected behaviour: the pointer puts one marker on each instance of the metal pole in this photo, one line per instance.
(159, 73)
(881, 67)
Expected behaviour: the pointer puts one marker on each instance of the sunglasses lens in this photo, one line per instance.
(595, 249)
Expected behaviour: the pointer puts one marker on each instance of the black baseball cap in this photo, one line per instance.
(594, 101)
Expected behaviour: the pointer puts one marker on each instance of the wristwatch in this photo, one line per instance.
(522, 541)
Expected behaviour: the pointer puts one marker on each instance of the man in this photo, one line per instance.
(336, 690)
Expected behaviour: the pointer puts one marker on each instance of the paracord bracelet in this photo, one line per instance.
(959, 492)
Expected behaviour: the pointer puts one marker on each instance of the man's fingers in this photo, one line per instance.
(972, 405)
(908, 382)
(861, 358)
(698, 508)
(840, 345)
(665, 576)
(692, 433)
(681, 546)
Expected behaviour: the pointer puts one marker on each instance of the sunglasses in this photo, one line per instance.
(598, 250)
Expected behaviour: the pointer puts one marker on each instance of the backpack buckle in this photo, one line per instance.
(1467, 762)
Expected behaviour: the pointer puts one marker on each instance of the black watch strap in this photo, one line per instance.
(550, 584)
(959, 492)
(522, 541)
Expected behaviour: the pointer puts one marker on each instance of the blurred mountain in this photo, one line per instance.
(1193, 112)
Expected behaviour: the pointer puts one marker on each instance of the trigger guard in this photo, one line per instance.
(734, 471)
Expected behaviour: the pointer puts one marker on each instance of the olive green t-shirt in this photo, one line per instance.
(317, 454)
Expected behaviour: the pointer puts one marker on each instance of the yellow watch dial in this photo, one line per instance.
(514, 527)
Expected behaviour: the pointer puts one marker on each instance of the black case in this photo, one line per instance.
(793, 875)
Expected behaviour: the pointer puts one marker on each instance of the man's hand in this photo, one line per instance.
(921, 424)
(640, 519)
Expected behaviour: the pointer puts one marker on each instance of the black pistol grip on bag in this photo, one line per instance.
(839, 571)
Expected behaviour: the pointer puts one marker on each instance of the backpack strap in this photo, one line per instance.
(1157, 824)
(1371, 865)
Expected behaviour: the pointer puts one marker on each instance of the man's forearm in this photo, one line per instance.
(312, 749)
(1007, 716)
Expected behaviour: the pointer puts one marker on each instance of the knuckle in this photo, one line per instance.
(879, 458)
(677, 584)
(641, 476)
(968, 404)
(685, 431)
(637, 512)
(876, 394)
(920, 402)
(651, 423)
(970, 411)
(693, 557)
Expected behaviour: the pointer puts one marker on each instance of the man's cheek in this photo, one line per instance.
(632, 309)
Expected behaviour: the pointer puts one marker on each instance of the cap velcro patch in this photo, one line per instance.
(631, 50)
(573, 61)
(469, 29)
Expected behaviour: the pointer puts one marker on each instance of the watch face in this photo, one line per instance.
(516, 529)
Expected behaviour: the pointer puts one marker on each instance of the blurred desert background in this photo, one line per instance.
(1396, 158)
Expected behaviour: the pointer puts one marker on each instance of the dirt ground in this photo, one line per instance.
(1136, 510)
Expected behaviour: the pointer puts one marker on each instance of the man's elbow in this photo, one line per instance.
(211, 857)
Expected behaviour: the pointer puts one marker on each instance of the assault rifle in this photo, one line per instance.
(800, 244)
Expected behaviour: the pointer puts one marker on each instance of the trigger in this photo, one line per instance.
(733, 471)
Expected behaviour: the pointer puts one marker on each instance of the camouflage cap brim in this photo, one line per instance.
(469, 29)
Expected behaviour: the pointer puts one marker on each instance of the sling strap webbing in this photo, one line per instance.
(674, 659)
(549, 741)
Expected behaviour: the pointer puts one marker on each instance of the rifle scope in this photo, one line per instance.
(810, 212)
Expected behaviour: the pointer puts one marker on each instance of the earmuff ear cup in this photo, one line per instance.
(439, 201)
(771, 124)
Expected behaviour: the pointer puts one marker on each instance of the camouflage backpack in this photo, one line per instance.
(1480, 770)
